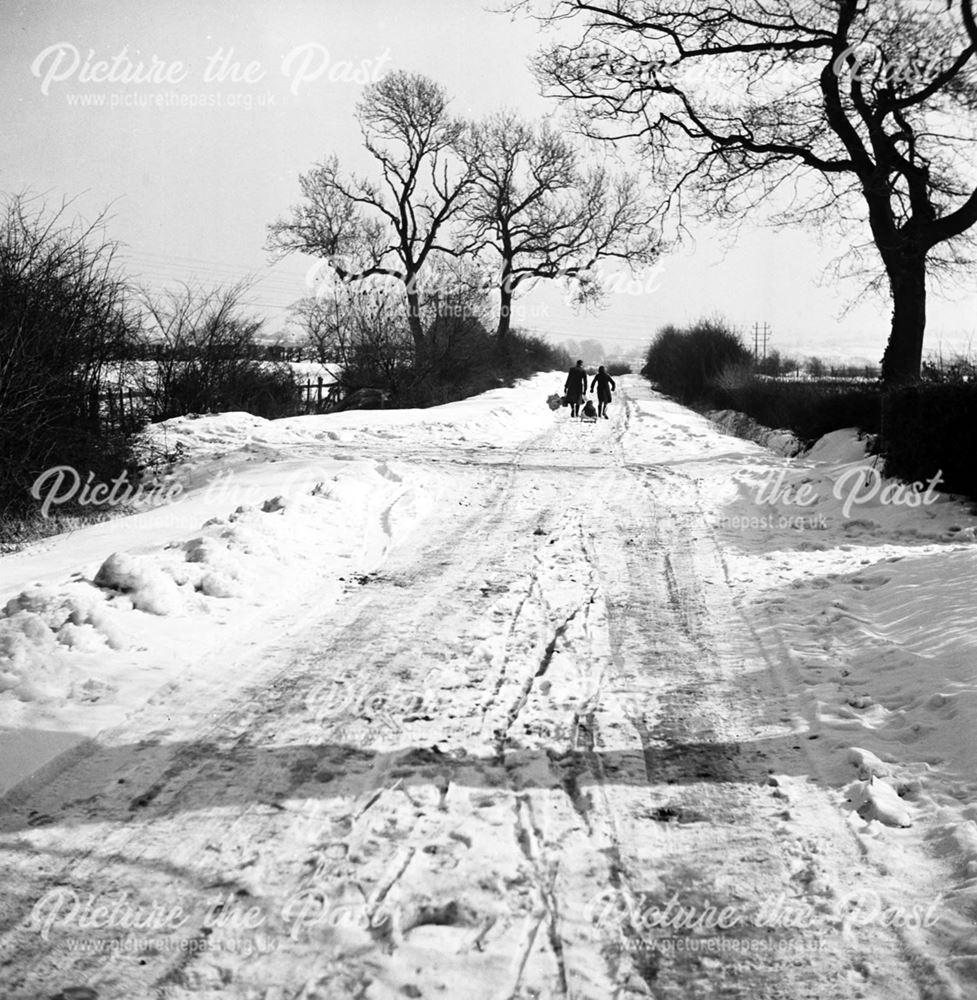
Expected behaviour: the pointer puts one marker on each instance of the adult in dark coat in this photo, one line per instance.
(576, 387)
(604, 384)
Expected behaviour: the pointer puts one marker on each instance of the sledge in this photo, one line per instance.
(589, 412)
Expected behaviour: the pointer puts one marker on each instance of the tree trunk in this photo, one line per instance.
(505, 312)
(505, 300)
(904, 352)
(414, 317)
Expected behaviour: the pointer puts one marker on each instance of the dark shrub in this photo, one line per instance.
(616, 368)
(522, 354)
(64, 320)
(929, 429)
(709, 366)
(956, 368)
(457, 360)
(684, 363)
(207, 358)
(265, 389)
(809, 409)
(462, 359)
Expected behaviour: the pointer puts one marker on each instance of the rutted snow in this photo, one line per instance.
(864, 605)
(273, 511)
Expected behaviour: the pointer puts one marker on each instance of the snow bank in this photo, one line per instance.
(96, 619)
(67, 648)
(47, 635)
(862, 588)
(783, 442)
(841, 447)
(500, 417)
(51, 636)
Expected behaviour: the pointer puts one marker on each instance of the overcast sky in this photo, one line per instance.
(241, 97)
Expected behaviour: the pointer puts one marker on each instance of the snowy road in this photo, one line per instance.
(541, 745)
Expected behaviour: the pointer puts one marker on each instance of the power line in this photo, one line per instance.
(162, 271)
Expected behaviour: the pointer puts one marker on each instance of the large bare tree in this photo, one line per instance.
(388, 227)
(969, 18)
(543, 214)
(840, 111)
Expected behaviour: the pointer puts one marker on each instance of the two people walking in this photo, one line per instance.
(576, 389)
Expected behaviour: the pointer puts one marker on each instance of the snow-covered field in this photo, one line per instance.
(477, 701)
(133, 374)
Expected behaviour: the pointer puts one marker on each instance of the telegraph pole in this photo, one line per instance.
(761, 336)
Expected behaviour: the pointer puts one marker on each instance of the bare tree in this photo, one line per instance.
(391, 227)
(347, 320)
(359, 332)
(969, 18)
(815, 367)
(829, 110)
(454, 288)
(206, 357)
(318, 321)
(543, 214)
(66, 324)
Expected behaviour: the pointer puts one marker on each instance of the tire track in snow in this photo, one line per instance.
(573, 945)
(697, 744)
(626, 773)
(243, 725)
